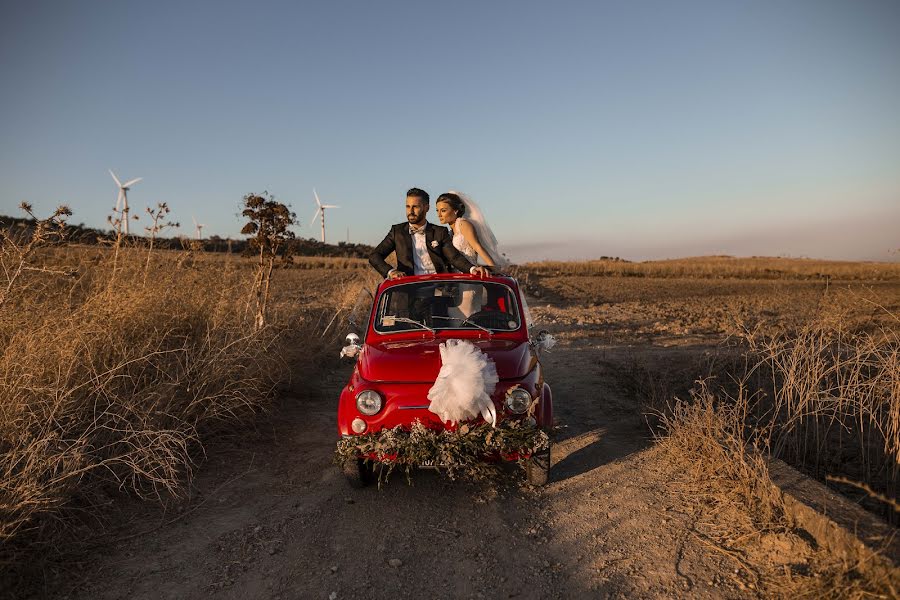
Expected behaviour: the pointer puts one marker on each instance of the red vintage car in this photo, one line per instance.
(399, 360)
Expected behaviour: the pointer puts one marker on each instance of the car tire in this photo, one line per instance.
(358, 472)
(537, 468)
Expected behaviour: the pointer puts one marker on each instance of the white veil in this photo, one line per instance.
(485, 235)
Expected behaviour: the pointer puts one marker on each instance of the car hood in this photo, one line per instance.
(420, 361)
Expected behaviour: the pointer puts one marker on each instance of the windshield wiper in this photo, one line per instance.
(466, 321)
(405, 320)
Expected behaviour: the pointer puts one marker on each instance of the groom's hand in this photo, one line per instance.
(480, 271)
(396, 274)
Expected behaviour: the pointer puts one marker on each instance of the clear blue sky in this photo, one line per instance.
(640, 129)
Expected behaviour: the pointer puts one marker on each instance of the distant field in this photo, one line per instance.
(703, 267)
(724, 267)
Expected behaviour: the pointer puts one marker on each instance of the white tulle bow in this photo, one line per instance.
(465, 384)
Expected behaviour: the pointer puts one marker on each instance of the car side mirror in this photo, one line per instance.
(352, 347)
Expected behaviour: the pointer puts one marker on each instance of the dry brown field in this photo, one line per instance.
(710, 306)
(230, 433)
(725, 267)
(721, 327)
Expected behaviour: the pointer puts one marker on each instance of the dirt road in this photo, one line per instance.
(274, 519)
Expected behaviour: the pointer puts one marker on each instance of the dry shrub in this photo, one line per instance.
(707, 438)
(831, 403)
(723, 470)
(833, 406)
(108, 386)
(839, 580)
(353, 298)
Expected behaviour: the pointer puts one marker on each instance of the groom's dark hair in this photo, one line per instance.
(417, 193)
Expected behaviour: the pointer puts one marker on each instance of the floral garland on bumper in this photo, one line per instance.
(457, 452)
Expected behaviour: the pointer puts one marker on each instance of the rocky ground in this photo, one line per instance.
(271, 517)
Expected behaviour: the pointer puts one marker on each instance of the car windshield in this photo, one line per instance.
(435, 305)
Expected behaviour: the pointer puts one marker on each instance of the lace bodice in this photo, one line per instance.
(460, 243)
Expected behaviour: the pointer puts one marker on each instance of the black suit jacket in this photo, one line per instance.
(438, 241)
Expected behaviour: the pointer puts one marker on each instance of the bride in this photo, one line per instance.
(471, 234)
(474, 239)
(468, 377)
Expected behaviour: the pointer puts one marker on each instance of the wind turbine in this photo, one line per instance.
(199, 227)
(122, 198)
(320, 212)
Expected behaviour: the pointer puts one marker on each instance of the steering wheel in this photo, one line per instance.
(493, 319)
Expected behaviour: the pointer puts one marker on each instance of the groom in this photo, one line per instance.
(421, 247)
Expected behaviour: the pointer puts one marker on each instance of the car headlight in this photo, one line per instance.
(517, 400)
(368, 402)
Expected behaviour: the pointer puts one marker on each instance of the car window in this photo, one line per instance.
(529, 321)
(448, 305)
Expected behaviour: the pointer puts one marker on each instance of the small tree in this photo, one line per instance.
(268, 225)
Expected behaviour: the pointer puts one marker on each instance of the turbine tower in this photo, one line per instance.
(320, 212)
(199, 227)
(122, 198)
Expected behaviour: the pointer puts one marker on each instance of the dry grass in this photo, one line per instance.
(834, 402)
(708, 438)
(739, 512)
(828, 401)
(329, 262)
(109, 385)
(723, 267)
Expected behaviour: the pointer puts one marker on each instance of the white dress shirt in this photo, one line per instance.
(422, 264)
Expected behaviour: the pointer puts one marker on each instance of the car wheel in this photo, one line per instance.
(537, 468)
(358, 472)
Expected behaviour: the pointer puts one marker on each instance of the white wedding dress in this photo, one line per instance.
(470, 302)
(462, 244)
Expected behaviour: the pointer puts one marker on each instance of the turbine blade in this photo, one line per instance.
(317, 197)
(330, 206)
(132, 182)
(316, 214)
(119, 200)
(116, 179)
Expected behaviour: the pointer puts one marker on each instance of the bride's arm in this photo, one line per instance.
(468, 232)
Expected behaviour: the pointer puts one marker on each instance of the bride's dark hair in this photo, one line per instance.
(454, 201)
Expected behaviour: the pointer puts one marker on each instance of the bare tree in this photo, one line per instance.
(157, 216)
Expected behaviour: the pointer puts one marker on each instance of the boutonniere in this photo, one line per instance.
(434, 244)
